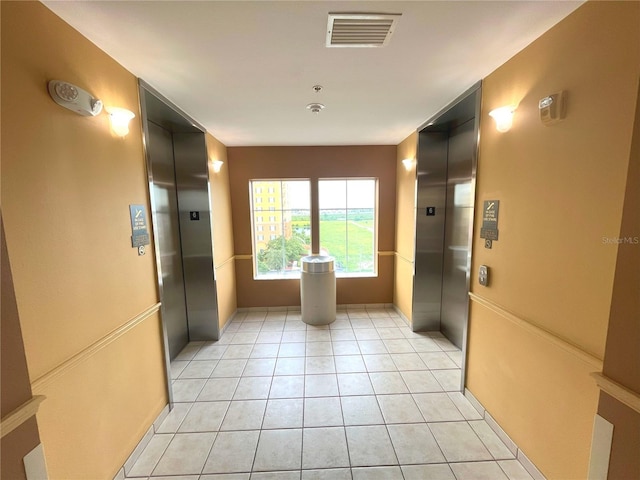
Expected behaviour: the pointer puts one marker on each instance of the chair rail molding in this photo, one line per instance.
(621, 393)
(20, 415)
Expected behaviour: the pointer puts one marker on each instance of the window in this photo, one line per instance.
(290, 228)
(348, 223)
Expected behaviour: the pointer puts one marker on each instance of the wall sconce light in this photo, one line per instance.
(503, 117)
(217, 165)
(408, 164)
(119, 119)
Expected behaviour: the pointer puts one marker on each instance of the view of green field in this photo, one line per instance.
(348, 237)
(350, 242)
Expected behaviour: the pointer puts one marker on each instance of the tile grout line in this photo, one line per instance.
(335, 373)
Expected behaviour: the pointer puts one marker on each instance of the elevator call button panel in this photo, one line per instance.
(483, 276)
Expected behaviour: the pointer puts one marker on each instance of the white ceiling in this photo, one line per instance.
(245, 69)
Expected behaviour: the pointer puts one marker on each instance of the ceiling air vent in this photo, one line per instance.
(360, 29)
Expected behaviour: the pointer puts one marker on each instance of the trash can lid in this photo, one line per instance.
(317, 263)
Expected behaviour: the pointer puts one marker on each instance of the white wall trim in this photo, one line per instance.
(133, 458)
(621, 393)
(35, 464)
(228, 322)
(339, 307)
(600, 449)
(556, 340)
(402, 315)
(403, 258)
(17, 417)
(40, 383)
(499, 431)
(282, 309)
(226, 262)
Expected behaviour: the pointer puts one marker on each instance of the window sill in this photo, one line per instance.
(356, 275)
(296, 276)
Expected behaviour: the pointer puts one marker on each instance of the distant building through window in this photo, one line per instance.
(347, 225)
(289, 224)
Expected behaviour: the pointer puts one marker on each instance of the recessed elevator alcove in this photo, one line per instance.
(446, 172)
(177, 166)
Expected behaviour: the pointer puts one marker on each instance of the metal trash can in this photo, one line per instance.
(318, 290)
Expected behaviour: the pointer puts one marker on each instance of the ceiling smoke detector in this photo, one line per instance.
(360, 29)
(315, 107)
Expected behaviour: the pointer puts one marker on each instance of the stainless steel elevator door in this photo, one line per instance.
(192, 181)
(174, 310)
(431, 194)
(458, 224)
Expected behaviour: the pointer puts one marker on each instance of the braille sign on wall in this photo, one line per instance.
(431, 211)
(139, 231)
(489, 230)
(194, 215)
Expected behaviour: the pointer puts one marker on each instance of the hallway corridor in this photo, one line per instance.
(364, 399)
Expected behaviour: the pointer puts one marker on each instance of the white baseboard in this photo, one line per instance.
(600, 448)
(402, 315)
(340, 306)
(133, 458)
(511, 445)
(35, 465)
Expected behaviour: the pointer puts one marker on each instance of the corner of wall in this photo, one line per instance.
(222, 226)
(619, 381)
(405, 225)
(87, 301)
(539, 329)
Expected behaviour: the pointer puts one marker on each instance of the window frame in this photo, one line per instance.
(376, 188)
(314, 222)
(271, 219)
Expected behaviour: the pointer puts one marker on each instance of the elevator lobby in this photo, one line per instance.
(487, 267)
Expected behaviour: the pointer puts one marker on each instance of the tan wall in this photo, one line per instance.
(622, 355)
(405, 226)
(223, 256)
(13, 448)
(624, 461)
(540, 394)
(15, 388)
(561, 190)
(247, 163)
(67, 183)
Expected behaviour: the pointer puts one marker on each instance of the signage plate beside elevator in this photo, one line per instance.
(490, 210)
(139, 230)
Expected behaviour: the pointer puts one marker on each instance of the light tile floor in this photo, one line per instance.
(363, 398)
